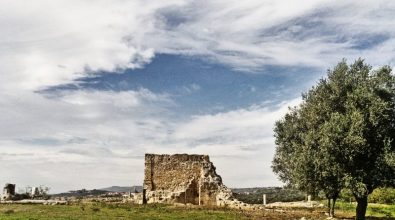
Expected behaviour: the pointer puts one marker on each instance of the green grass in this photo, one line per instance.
(112, 211)
(157, 211)
(376, 210)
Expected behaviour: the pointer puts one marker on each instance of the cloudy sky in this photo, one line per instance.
(88, 87)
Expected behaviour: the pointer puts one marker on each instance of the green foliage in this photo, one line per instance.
(164, 212)
(383, 196)
(376, 210)
(342, 135)
(346, 195)
(114, 211)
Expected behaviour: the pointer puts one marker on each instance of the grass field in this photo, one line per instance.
(127, 211)
(381, 211)
(110, 211)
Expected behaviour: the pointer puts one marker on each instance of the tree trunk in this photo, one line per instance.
(362, 204)
(329, 207)
(333, 208)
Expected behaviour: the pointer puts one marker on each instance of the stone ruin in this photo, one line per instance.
(8, 192)
(186, 179)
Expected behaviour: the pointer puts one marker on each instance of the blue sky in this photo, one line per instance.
(88, 88)
(199, 86)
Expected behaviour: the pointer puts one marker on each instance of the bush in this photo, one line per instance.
(380, 195)
(383, 196)
(346, 195)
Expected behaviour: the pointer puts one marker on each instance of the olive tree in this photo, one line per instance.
(342, 135)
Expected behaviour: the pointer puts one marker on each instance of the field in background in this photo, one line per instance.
(110, 211)
(344, 207)
(91, 208)
(153, 211)
(381, 211)
(164, 212)
(273, 194)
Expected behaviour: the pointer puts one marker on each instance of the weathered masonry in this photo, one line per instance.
(8, 191)
(183, 178)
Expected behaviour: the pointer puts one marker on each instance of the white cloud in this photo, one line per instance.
(250, 34)
(46, 43)
(103, 135)
(243, 137)
(234, 127)
(92, 113)
(188, 89)
(91, 136)
(80, 138)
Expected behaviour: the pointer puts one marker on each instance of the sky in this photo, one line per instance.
(88, 87)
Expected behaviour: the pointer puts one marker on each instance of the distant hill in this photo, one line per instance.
(123, 189)
(80, 193)
(96, 192)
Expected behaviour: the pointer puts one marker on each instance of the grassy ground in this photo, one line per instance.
(374, 211)
(109, 211)
(127, 211)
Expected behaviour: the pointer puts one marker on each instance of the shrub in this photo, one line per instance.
(383, 195)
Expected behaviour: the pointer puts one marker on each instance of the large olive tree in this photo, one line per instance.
(342, 135)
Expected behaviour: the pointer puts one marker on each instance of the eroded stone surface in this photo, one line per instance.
(181, 178)
(186, 179)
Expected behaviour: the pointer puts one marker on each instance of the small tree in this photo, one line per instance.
(343, 132)
(43, 191)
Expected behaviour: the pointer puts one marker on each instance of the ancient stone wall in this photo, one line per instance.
(8, 191)
(181, 178)
(186, 179)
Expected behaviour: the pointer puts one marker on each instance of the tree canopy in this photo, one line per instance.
(341, 135)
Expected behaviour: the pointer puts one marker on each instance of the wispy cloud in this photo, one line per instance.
(104, 133)
(45, 43)
(92, 131)
(252, 34)
(82, 135)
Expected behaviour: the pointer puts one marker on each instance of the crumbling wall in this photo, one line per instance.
(187, 179)
(182, 178)
(8, 191)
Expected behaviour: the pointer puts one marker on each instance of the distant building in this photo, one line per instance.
(8, 192)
